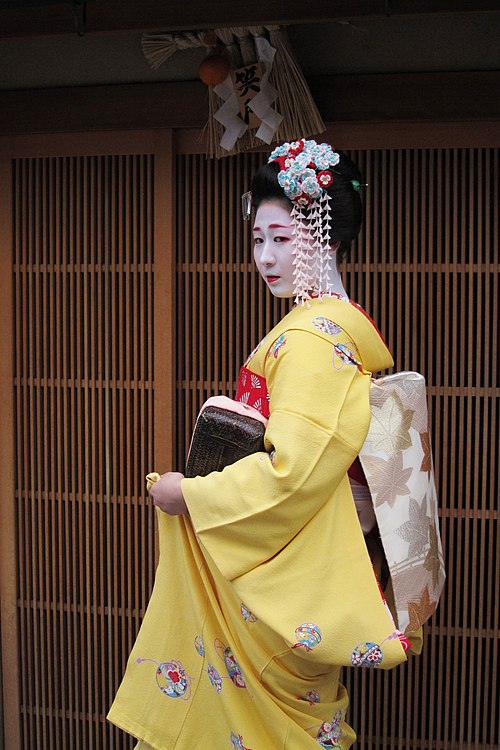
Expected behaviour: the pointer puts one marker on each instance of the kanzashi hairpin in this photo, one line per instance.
(305, 174)
(305, 169)
(357, 185)
(246, 205)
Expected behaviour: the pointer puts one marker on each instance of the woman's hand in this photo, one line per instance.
(167, 494)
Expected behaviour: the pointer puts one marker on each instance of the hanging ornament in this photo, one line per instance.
(256, 90)
(247, 84)
(248, 100)
(214, 70)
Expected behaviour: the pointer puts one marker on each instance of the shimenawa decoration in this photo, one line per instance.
(256, 90)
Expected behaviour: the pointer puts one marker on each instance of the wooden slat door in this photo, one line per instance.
(426, 267)
(88, 230)
(88, 252)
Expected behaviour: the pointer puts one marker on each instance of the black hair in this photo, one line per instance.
(347, 210)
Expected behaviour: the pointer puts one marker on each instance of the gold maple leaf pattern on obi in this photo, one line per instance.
(420, 611)
(388, 479)
(390, 425)
(397, 462)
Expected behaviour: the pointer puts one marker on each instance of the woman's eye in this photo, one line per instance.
(257, 240)
(280, 239)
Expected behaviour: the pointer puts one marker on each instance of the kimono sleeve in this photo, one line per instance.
(319, 417)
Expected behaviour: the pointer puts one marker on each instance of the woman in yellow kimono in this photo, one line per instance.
(265, 587)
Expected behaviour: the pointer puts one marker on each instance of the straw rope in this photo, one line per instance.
(301, 117)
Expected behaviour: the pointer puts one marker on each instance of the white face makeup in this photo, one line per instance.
(273, 247)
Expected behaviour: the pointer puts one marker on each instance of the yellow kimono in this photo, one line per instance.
(267, 589)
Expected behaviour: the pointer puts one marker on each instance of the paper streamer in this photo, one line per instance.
(262, 103)
(229, 112)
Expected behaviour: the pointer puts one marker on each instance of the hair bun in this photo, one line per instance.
(347, 168)
(346, 206)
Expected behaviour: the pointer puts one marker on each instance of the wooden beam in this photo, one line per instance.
(408, 96)
(97, 143)
(417, 97)
(164, 15)
(364, 136)
(116, 107)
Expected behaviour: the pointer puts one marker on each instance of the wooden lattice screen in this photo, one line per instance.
(83, 375)
(426, 268)
(89, 343)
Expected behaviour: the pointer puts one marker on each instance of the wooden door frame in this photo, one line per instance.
(8, 550)
(382, 135)
(161, 144)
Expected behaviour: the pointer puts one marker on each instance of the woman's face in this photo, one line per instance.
(273, 247)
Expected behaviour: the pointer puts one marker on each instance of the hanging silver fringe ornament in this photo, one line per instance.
(305, 175)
